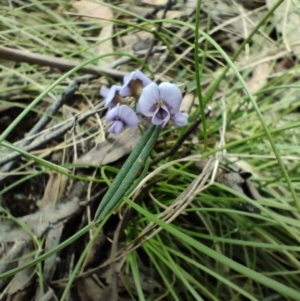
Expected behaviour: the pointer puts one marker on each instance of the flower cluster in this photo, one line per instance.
(159, 102)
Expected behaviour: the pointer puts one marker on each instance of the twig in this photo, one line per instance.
(62, 64)
(168, 215)
(162, 60)
(46, 118)
(62, 98)
(173, 211)
(169, 4)
(16, 55)
(176, 41)
(179, 142)
(113, 253)
(53, 134)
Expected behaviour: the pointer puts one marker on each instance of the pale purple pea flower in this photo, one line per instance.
(112, 96)
(134, 83)
(162, 103)
(121, 116)
(180, 119)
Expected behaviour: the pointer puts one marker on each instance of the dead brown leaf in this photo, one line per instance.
(259, 77)
(40, 222)
(143, 11)
(48, 296)
(188, 103)
(234, 20)
(93, 12)
(236, 180)
(55, 188)
(95, 249)
(155, 2)
(111, 150)
(88, 289)
(190, 6)
(137, 41)
(9, 254)
(24, 278)
(54, 191)
(287, 21)
(52, 241)
(101, 14)
(105, 47)
(148, 283)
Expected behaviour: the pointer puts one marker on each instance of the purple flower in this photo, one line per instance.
(162, 103)
(180, 119)
(134, 83)
(112, 96)
(121, 116)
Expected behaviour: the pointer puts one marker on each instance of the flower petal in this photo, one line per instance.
(137, 108)
(161, 116)
(113, 92)
(149, 99)
(113, 114)
(171, 95)
(180, 119)
(127, 78)
(122, 116)
(128, 116)
(142, 77)
(116, 127)
(125, 91)
(138, 76)
(104, 92)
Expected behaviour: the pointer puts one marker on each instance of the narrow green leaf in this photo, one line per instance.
(268, 282)
(128, 173)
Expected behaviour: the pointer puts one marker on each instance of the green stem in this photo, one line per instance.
(198, 73)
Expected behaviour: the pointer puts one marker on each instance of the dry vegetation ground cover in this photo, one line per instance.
(214, 215)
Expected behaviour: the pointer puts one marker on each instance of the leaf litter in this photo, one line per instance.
(57, 206)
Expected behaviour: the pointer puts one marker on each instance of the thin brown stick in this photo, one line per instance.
(158, 29)
(25, 56)
(180, 141)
